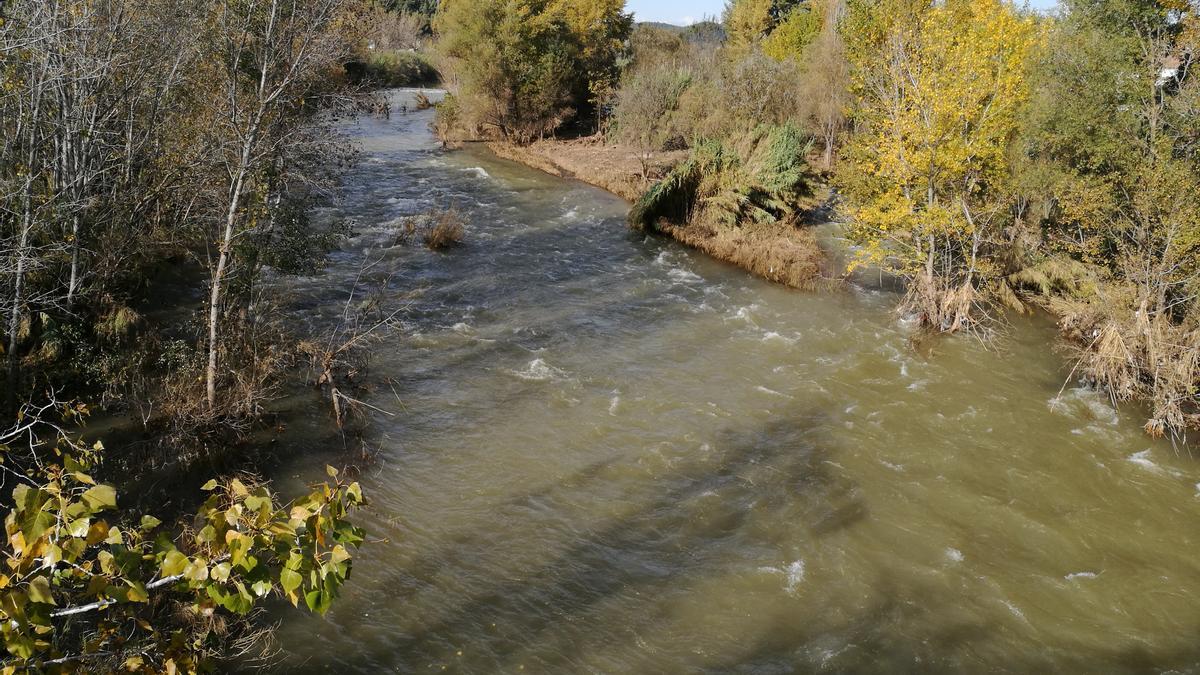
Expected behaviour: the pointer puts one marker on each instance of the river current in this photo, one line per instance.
(611, 454)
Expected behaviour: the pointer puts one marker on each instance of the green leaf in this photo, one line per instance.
(78, 528)
(261, 588)
(39, 591)
(238, 488)
(174, 563)
(100, 497)
(197, 570)
(290, 580)
(339, 554)
(331, 471)
(20, 646)
(209, 486)
(35, 526)
(207, 535)
(150, 522)
(238, 546)
(318, 601)
(107, 562)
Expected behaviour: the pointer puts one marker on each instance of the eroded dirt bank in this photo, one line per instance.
(787, 252)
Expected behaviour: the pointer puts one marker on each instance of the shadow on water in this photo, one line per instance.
(716, 475)
(765, 471)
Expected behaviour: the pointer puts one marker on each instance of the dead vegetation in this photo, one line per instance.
(1133, 354)
(1116, 338)
(438, 229)
(786, 254)
(338, 361)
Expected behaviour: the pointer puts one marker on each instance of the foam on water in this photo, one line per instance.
(684, 276)
(795, 576)
(540, 371)
(772, 336)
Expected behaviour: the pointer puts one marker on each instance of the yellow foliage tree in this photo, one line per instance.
(939, 89)
(747, 22)
(793, 35)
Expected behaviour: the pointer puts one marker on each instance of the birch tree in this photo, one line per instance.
(276, 54)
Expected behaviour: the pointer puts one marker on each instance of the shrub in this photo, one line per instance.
(646, 108)
(758, 178)
(438, 229)
(448, 230)
(520, 71)
(388, 69)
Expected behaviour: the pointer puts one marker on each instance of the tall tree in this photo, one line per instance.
(939, 90)
(1111, 171)
(523, 69)
(275, 58)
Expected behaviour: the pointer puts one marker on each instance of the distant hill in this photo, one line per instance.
(663, 26)
(703, 31)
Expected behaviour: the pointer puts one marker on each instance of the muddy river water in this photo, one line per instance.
(610, 454)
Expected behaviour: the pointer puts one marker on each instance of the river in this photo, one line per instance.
(611, 454)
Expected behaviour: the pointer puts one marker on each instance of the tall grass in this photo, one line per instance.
(756, 178)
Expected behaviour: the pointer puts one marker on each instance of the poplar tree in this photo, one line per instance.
(939, 91)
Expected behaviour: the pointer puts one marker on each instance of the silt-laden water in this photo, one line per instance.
(611, 454)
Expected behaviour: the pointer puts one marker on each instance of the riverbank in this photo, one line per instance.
(786, 253)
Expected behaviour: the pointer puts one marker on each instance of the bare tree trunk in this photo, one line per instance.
(214, 301)
(23, 243)
(14, 320)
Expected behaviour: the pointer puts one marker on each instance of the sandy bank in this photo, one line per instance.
(783, 253)
(608, 167)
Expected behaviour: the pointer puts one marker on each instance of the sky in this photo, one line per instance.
(679, 12)
(684, 12)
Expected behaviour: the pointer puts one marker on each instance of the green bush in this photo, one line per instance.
(760, 177)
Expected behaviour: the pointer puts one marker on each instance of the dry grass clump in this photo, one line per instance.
(1134, 354)
(438, 230)
(947, 305)
(448, 230)
(786, 254)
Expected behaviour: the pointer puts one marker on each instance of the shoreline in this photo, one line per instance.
(785, 253)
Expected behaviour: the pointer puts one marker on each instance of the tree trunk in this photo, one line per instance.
(214, 300)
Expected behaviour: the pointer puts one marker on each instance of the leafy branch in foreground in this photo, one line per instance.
(86, 586)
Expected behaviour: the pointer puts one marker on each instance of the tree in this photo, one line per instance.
(89, 586)
(601, 27)
(825, 88)
(1110, 173)
(747, 22)
(792, 37)
(939, 89)
(524, 69)
(275, 57)
(645, 107)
